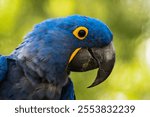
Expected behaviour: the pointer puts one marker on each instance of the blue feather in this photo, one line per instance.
(68, 91)
(3, 67)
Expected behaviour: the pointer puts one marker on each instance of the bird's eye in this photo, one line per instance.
(80, 32)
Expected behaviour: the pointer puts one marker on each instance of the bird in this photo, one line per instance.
(39, 68)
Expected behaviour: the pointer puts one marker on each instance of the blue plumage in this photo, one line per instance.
(68, 91)
(41, 61)
(3, 67)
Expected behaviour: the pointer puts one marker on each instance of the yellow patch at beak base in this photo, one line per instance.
(73, 54)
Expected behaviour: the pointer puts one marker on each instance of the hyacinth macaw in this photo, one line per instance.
(39, 67)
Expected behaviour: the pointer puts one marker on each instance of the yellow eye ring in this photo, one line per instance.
(80, 32)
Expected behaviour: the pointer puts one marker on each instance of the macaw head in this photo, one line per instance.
(74, 43)
(96, 50)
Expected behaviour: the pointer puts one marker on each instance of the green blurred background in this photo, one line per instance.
(129, 21)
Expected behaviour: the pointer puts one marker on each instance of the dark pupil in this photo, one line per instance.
(81, 33)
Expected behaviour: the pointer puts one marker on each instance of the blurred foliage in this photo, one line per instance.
(129, 20)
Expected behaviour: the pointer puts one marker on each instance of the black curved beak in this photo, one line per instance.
(88, 59)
